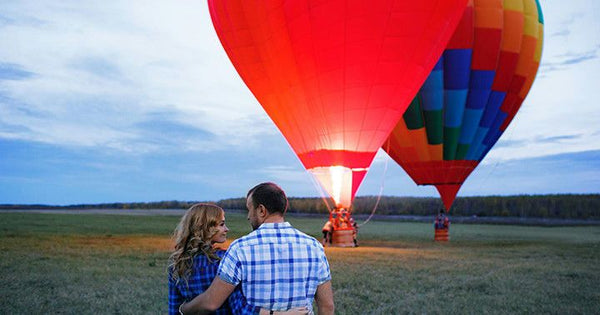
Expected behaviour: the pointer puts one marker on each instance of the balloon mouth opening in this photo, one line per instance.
(337, 180)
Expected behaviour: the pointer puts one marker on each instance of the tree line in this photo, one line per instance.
(563, 206)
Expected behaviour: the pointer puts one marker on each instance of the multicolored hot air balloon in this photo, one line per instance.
(472, 94)
(335, 76)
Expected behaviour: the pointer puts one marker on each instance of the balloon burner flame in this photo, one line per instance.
(337, 181)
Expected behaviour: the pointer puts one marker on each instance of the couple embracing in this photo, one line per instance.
(276, 269)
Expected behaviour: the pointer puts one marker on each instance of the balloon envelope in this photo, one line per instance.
(335, 76)
(471, 95)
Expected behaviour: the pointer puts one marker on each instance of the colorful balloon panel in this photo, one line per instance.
(471, 95)
(335, 76)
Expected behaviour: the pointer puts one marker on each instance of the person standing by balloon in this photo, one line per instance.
(354, 226)
(327, 231)
(441, 226)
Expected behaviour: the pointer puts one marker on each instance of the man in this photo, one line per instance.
(327, 232)
(441, 226)
(354, 226)
(279, 267)
(441, 221)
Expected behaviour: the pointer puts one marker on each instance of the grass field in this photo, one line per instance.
(113, 264)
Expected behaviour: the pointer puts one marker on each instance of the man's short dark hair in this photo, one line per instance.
(269, 195)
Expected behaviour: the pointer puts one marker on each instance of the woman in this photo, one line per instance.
(194, 263)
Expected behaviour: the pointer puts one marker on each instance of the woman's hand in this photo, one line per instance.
(292, 311)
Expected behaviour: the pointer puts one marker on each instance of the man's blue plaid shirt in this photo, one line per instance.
(278, 267)
(203, 273)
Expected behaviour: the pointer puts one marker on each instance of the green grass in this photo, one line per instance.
(113, 264)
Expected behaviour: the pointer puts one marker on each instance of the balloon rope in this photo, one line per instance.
(489, 174)
(509, 136)
(380, 192)
(321, 192)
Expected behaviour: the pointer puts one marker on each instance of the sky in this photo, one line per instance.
(136, 101)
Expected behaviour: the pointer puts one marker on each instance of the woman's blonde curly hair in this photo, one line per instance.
(193, 237)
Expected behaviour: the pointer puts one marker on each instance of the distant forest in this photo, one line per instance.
(564, 206)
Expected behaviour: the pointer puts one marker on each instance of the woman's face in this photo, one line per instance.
(222, 229)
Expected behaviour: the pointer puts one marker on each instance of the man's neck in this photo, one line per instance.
(274, 218)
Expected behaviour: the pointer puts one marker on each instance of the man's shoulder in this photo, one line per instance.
(243, 242)
(279, 234)
(305, 236)
(291, 235)
(244, 239)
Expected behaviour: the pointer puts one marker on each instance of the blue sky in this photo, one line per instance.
(122, 101)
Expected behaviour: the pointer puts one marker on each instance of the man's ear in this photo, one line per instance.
(262, 211)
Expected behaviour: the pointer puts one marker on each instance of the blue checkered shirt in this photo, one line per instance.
(278, 266)
(203, 273)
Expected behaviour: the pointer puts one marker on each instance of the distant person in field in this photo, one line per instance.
(327, 232)
(354, 226)
(278, 266)
(441, 221)
(193, 265)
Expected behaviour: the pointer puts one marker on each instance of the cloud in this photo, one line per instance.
(5, 20)
(12, 16)
(562, 62)
(283, 173)
(561, 33)
(98, 66)
(533, 146)
(10, 71)
(558, 139)
(169, 134)
(91, 75)
(572, 39)
(509, 144)
(560, 173)
(6, 129)
(575, 58)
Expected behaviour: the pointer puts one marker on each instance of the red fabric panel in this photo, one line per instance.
(486, 48)
(442, 172)
(518, 102)
(506, 69)
(517, 84)
(463, 35)
(448, 194)
(357, 178)
(348, 159)
(509, 102)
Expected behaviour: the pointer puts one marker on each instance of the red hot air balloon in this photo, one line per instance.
(471, 95)
(335, 76)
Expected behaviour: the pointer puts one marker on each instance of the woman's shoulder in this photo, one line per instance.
(204, 260)
(220, 252)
